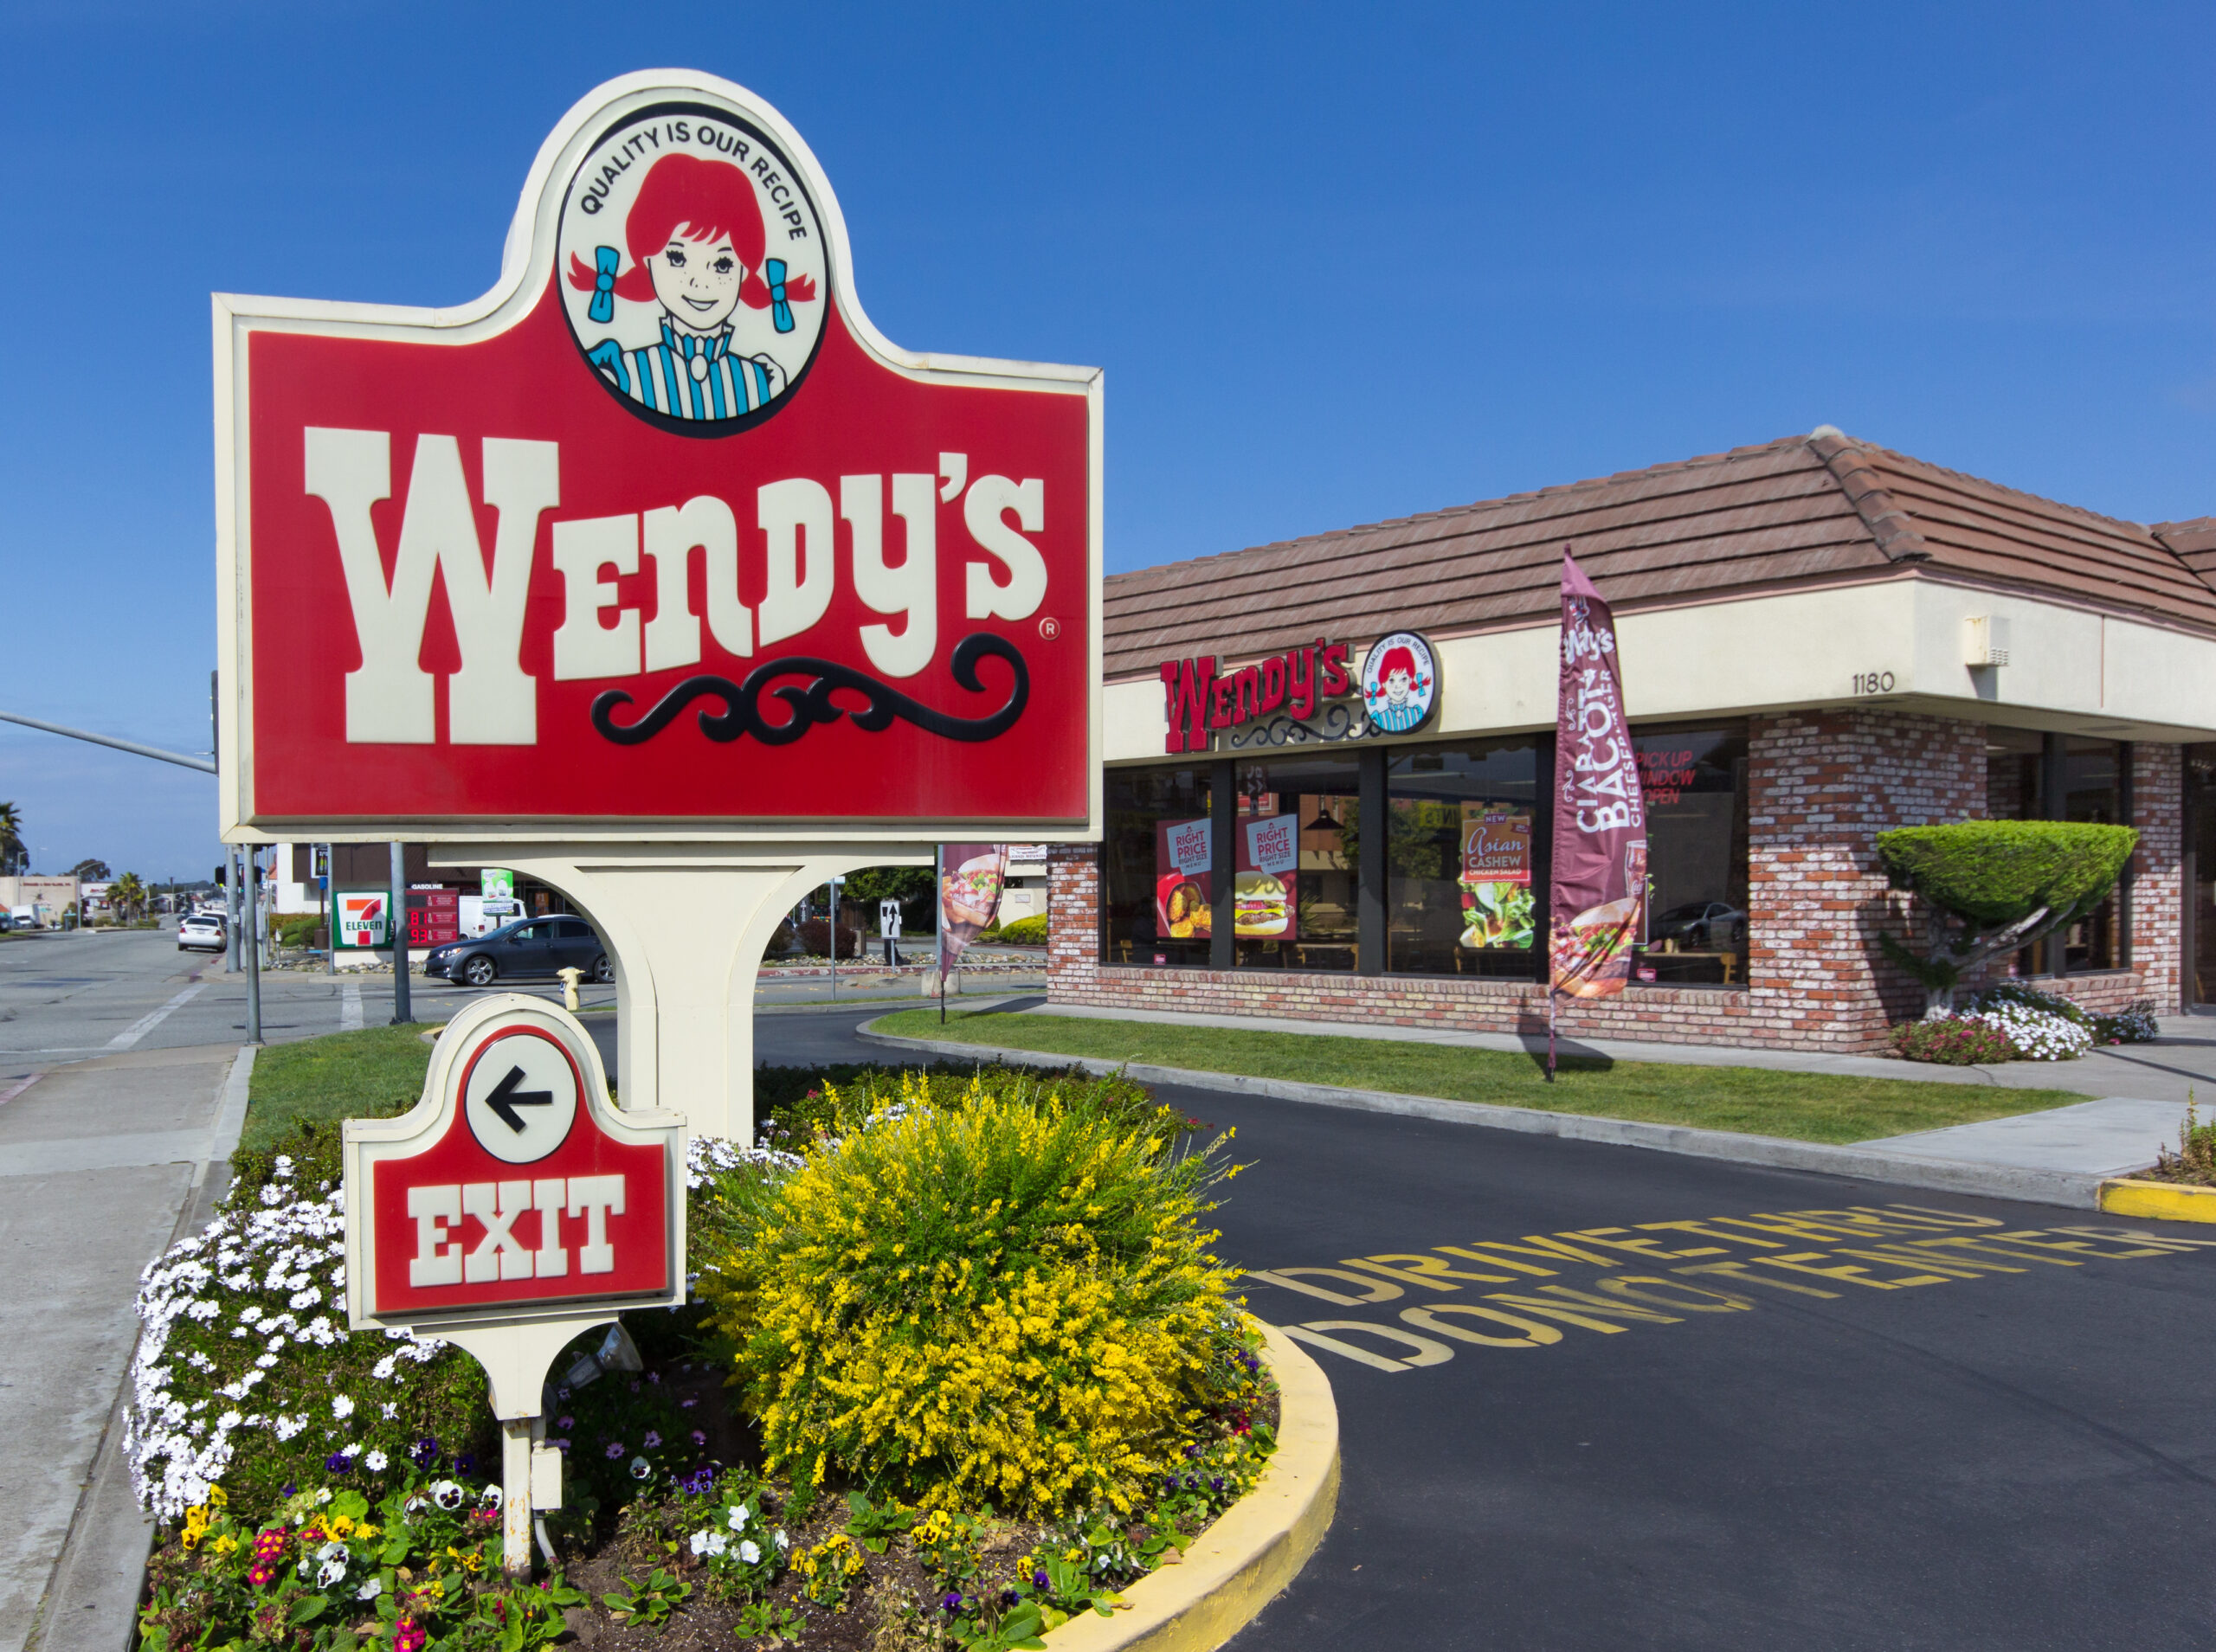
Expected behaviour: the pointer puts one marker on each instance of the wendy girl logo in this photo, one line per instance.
(1400, 683)
(695, 268)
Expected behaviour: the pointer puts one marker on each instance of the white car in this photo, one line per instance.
(202, 932)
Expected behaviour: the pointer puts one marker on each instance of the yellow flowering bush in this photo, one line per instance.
(1001, 1302)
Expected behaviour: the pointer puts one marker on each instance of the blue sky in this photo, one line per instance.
(1340, 265)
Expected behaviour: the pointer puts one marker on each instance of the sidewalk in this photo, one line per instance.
(102, 1163)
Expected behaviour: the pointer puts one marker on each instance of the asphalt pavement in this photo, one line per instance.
(1880, 1427)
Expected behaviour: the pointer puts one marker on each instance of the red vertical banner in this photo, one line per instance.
(1600, 839)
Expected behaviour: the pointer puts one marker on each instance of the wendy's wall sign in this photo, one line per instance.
(659, 536)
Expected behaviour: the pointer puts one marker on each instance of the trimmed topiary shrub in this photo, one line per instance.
(1024, 932)
(1989, 887)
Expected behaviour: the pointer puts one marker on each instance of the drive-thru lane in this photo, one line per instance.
(2002, 1445)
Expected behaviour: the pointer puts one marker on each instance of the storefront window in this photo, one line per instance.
(2092, 774)
(2201, 847)
(1297, 856)
(1154, 883)
(1696, 784)
(1460, 859)
(2034, 776)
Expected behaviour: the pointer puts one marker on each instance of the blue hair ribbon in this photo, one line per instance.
(781, 314)
(606, 262)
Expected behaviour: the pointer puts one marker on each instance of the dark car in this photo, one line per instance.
(533, 949)
(1702, 924)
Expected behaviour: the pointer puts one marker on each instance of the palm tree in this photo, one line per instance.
(126, 896)
(13, 855)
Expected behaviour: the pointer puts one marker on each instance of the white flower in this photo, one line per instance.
(710, 1542)
(748, 1552)
(781, 1540)
(288, 1426)
(370, 1589)
(490, 1496)
(383, 1369)
(374, 1459)
(641, 1467)
(323, 1497)
(342, 1407)
(271, 1195)
(447, 1495)
(390, 1410)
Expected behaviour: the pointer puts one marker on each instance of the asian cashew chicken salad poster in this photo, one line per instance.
(660, 529)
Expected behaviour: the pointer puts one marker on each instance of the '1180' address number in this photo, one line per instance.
(1873, 682)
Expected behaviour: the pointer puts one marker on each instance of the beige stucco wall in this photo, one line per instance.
(2070, 669)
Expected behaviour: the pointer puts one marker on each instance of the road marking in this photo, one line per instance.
(18, 1088)
(1914, 1244)
(349, 1007)
(146, 1024)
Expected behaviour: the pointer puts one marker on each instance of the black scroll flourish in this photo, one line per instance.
(809, 703)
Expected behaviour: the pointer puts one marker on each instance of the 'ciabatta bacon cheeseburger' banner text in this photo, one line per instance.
(662, 531)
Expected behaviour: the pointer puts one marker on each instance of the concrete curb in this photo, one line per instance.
(1238, 1564)
(2075, 1189)
(2165, 1201)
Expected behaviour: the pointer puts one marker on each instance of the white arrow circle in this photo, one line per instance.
(521, 1097)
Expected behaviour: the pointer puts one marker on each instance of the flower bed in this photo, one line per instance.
(2014, 1022)
(958, 1420)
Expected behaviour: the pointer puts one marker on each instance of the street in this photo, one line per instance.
(69, 995)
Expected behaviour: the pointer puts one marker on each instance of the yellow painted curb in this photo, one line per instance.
(2166, 1201)
(1237, 1566)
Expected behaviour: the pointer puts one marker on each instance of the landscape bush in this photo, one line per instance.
(1952, 1042)
(1024, 932)
(1006, 1302)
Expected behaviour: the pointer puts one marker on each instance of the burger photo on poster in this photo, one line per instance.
(1259, 900)
(972, 890)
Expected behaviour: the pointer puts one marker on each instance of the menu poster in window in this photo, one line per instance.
(1496, 876)
(1266, 890)
(1183, 852)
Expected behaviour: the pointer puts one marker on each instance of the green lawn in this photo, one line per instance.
(374, 1073)
(1805, 1106)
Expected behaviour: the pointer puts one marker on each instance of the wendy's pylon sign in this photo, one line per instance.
(512, 1210)
(659, 575)
(660, 532)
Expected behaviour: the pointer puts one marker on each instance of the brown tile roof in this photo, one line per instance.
(1805, 508)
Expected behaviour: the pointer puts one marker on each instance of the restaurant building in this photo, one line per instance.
(1819, 639)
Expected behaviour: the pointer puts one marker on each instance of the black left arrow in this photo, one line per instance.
(505, 1098)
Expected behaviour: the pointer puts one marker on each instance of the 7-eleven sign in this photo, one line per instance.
(364, 918)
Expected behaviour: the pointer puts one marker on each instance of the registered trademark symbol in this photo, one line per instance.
(1050, 627)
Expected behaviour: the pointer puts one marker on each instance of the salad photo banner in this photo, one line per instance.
(1600, 837)
(969, 895)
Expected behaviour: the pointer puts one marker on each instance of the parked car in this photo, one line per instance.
(201, 932)
(1701, 925)
(536, 948)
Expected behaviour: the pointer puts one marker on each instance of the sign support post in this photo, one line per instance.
(396, 926)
